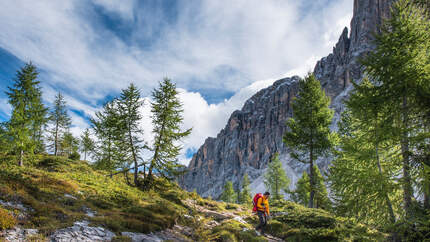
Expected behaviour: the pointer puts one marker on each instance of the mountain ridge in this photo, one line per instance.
(254, 133)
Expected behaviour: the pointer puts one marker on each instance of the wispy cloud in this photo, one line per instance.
(92, 49)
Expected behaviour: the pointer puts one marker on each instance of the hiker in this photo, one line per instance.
(261, 206)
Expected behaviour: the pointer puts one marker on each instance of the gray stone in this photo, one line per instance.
(254, 133)
(80, 231)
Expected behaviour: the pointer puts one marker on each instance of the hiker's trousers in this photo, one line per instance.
(263, 220)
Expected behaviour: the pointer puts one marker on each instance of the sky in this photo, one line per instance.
(219, 53)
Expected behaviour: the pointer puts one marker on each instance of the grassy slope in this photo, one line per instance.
(42, 186)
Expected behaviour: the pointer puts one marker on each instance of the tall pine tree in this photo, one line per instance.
(109, 148)
(28, 113)
(87, 144)
(399, 66)
(309, 132)
(59, 121)
(129, 104)
(166, 110)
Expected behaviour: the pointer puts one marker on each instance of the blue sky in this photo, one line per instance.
(218, 52)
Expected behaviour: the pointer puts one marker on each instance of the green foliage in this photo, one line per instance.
(166, 110)
(118, 206)
(298, 223)
(245, 195)
(28, 113)
(309, 132)
(399, 68)
(87, 144)
(130, 133)
(59, 121)
(228, 194)
(301, 194)
(69, 145)
(275, 178)
(7, 221)
(110, 151)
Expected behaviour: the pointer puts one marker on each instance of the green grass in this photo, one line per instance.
(45, 180)
(299, 223)
(118, 206)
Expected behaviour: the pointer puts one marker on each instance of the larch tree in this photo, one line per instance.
(166, 110)
(400, 67)
(109, 145)
(28, 113)
(302, 192)
(129, 105)
(245, 194)
(275, 178)
(87, 144)
(59, 121)
(308, 133)
(228, 194)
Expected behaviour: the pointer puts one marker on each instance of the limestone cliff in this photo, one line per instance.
(255, 132)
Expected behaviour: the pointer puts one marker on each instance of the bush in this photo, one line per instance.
(52, 163)
(7, 221)
(75, 156)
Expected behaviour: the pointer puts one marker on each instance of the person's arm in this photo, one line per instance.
(266, 204)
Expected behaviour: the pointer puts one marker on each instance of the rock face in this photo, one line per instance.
(254, 133)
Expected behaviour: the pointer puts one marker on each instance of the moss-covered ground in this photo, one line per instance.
(58, 192)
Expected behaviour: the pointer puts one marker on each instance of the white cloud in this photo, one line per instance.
(124, 8)
(89, 61)
(5, 107)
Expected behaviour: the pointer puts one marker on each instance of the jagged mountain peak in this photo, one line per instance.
(255, 132)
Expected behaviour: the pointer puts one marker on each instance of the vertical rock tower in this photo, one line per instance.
(254, 133)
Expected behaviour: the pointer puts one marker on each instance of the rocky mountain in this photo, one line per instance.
(254, 133)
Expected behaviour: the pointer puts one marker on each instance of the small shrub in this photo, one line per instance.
(75, 156)
(7, 221)
(52, 163)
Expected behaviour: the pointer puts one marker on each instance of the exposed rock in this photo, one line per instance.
(19, 235)
(174, 234)
(80, 231)
(70, 196)
(255, 132)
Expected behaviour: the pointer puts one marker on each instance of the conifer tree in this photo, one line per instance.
(69, 145)
(399, 68)
(28, 112)
(309, 132)
(167, 117)
(129, 104)
(302, 191)
(245, 194)
(275, 178)
(87, 144)
(59, 121)
(228, 195)
(109, 150)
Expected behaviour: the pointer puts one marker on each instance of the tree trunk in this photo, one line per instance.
(21, 157)
(136, 170)
(311, 178)
(56, 139)
(407, 187)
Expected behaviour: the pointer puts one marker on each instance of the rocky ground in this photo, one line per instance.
(83, 231)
